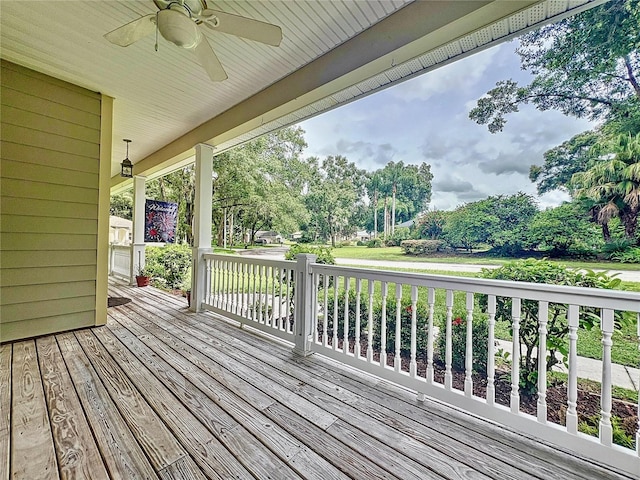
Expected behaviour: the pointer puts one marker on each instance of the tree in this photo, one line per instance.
(614, 183)
(121, 205)
(561, 162)
(336, 190)
(585, 66)
(374, 185)
(563, 229)
(430, 225)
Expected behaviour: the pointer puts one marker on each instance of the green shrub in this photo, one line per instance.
(480, 329)
(400, 234)
(590, 426)
(542, 271)
(360, 243)
(345, 243)
(168, 265)
(324, 253)
(405, 328)
(628, 255)
(615, 246)
(375, 243)
(364, 314)
(421, 247)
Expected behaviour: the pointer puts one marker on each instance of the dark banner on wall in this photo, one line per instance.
(161, 219)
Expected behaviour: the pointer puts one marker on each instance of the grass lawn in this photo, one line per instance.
(395, 254)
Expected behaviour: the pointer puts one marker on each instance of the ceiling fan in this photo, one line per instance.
(178, 21)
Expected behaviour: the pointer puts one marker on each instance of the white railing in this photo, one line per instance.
(386, 323)
(120, 261)
(252, 291)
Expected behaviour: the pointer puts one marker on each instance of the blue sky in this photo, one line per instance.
(426, 120)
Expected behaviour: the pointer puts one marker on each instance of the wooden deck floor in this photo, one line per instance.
(163, 393)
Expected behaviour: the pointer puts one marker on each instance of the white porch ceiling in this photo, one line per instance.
(165, 102)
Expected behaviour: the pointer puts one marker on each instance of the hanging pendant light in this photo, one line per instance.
(126, 165)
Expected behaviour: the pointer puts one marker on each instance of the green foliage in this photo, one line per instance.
(591, 426)
(169, 263)
(563, 230)
(584, 66)
(330, 310)
(324, 254)
(629, 255)
(480, 329)
(422, 335)
(375, 243)
(121, 205)
(430, 225)
(542, 271)
(401, 234)
(421, 247)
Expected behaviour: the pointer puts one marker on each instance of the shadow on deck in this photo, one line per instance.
(161, 392)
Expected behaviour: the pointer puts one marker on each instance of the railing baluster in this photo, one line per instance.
(397, 359)
(274, 322)
(290, 298)
(224, 285)
(572, 393)
(356, 345)
(260, 277)
(207, 281)
(606, 325)
(280, 303)
(316, 287)
(468, 359)
(345, 333)
(515, 355)
(252, 299)
(325, 317)
(413, 366)
(431, 300)
(383, 326)
(370, 285)
(236, 290)
(491, 352)
(543, 318)
(448, 377)
(334, 344)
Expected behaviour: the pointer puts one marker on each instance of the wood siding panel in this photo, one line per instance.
(49, 109)
(44, 208)
(47, 174)
(42, 156)
(47, 191)
(27, 241)
(44, 326)
(46, 258)
(50, 162)
(26, 293)
(31, 310)
(49, 88)
(19, 117)
(45, 275)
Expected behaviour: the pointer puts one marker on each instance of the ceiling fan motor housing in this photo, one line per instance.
(177, 27)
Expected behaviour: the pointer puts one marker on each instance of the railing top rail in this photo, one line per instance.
(118, 246)
(250, 260)
(592, 297)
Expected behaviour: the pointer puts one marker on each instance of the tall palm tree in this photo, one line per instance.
(613, 183)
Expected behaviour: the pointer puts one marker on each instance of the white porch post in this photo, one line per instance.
(201, 224)
(304, 304)
(137, 248)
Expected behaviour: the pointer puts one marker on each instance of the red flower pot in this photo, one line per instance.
(142, 281)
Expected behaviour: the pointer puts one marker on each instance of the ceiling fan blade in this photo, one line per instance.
(243, 27)
(132, 31)
(209, 60)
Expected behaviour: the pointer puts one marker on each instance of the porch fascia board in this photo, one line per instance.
(396, 39)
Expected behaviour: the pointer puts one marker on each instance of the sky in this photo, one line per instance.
(426, 119)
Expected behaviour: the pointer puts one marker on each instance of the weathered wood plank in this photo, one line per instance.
(182, 469)
(120, 450)
(78, 455)
(253, 455)
(154, 437)
(32, 451)
(5, 409)
(351, 462)
(210, 455)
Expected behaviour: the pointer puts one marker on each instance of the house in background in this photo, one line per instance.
(120, 230)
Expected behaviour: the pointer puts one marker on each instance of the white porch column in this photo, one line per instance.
(304, 304)
(137, 248)
(201, 224)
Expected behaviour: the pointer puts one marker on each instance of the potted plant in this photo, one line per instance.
(143, 276)
(186, 286)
